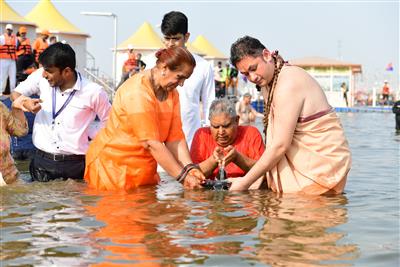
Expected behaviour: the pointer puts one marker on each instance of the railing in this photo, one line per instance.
(109, 89)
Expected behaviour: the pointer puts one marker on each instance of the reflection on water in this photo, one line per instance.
(44, 224)
(192, 227)
(62, 223)
(301, 231)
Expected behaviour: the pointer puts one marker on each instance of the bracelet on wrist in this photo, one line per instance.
(184, 172)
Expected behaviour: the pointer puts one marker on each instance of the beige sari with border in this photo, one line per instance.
(318, 159)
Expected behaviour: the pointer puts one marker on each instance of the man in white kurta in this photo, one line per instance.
(199, 88)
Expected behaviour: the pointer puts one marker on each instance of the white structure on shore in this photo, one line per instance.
(330, 74)
(8, 15)
(46, 16)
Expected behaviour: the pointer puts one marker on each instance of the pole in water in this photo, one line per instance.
(221, 172)
(221, 183)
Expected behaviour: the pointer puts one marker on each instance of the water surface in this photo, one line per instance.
(62, 223)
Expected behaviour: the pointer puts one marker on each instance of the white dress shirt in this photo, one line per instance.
(200, 85)
(68, 133)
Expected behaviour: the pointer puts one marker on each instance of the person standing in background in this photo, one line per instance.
(200, 86)
(40, 44)
(396, 111)
(23, 44)
(219, 80)
(52, 40)
(226, 74)
(129, 67)
(25, 59)
(8, 56)
(234, 80)
(385, 93)
(247, 114)
(344, 89)
(140, 65)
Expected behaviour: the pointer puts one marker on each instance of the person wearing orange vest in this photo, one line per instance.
(8, 69)
(40, 44)
(25, 60)
(24, 44)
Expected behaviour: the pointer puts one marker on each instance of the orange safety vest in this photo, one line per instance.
(39, 46)
(24, 47)
(7, 51)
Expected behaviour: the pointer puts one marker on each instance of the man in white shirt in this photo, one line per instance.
(200, 86)
(68, 104)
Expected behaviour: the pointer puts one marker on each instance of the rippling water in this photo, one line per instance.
(62, 223)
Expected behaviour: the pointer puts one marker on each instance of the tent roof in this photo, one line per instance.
(8, 15)
(46, 16)
(202, 44)
(194, 50)
(144, 38)
(324, 62)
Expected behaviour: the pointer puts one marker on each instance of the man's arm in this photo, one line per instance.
(102, 106)
(27, 88)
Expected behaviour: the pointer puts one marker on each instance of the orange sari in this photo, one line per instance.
(318, 159)
(116, 158)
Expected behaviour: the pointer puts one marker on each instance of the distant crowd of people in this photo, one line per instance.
(226, 80)
(155, 120)
(19, 57)
(132, 65)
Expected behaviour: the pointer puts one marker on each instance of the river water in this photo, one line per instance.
(62, 223)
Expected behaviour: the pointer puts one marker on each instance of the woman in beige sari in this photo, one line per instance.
(306, 149)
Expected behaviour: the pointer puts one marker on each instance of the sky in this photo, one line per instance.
(362, 32)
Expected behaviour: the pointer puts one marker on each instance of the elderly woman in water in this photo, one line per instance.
(225, 143)
(144, 129)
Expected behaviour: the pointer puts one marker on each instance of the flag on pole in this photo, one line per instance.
(389, 67)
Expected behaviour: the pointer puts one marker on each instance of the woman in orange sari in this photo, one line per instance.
(144, 129)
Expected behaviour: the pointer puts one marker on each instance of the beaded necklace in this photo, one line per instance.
(279, 62)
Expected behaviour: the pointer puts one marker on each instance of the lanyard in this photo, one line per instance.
(55, 114)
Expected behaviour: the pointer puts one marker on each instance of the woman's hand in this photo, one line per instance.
(194, 179)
